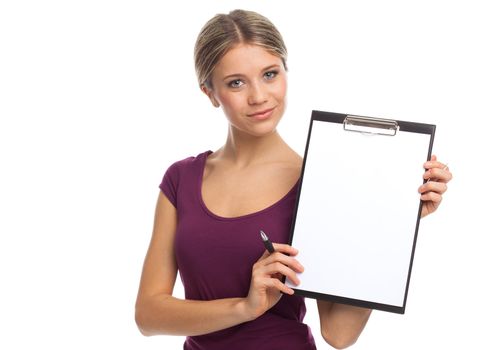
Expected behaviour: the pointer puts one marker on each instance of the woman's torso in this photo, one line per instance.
(215, 254)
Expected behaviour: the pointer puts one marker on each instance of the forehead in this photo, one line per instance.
(246, 59)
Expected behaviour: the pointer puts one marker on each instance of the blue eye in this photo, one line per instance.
(271, 74)
(235, 83)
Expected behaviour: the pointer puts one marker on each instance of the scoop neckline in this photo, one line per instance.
(202, 164)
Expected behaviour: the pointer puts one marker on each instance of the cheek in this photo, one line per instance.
(230, 103)
(280, 90)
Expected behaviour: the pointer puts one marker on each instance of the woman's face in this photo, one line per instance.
(249, 83)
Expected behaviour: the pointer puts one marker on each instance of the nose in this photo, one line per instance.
(258, 93)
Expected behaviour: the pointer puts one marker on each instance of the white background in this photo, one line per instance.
(98, 98)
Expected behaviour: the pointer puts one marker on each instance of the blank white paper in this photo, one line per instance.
(358, 211)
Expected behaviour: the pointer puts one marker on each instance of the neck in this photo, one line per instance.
(244, 149)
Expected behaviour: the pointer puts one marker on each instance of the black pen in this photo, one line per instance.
(267, 242)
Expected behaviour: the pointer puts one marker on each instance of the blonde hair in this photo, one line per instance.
(223, 32)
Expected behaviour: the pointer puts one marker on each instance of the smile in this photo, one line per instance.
(264, 114)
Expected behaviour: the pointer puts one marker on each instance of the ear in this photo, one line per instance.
(209, 92)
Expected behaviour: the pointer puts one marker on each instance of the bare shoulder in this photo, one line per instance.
(292, 163)
(296, 160)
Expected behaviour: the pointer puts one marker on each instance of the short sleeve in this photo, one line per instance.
(170, 183)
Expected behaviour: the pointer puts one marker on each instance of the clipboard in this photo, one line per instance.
(358, 209)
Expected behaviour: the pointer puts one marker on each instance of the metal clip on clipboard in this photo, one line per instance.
(370, 126)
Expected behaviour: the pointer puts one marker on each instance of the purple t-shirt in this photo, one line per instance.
(215, 256)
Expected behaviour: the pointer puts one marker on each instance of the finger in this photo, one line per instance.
(278, 267)
(282, 249)
(261, 266)
(438, 187)
(275, 283)
(285, 260)
(432, 197)
(437, 174)
(270, 282)
(434, 164)
(271, 270)
(285, 248)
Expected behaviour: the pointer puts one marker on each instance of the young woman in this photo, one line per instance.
(212, 206)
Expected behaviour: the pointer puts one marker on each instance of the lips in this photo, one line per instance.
(265, 113)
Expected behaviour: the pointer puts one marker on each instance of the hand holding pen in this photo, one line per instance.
(266, 285)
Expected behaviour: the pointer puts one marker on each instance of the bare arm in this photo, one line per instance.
(158, 312)
(164, 314)
(341, 325)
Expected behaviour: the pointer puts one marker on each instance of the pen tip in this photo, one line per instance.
(263, 235)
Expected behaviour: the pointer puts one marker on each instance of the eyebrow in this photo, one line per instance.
(241, 75)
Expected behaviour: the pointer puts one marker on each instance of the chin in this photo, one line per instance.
(258, 128)
(263, 129)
